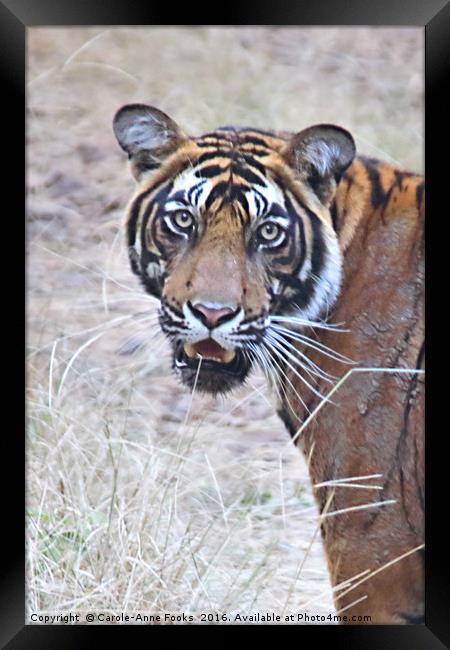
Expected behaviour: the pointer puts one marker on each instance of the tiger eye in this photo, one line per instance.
(269, 232)
(183, 219)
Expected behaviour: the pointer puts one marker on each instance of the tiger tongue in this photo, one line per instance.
(209, 349)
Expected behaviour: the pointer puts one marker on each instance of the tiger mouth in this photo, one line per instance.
(210, 367)
(209, 350)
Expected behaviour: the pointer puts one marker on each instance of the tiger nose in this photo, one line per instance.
(212, 316)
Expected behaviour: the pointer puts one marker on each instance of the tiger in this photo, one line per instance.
(258, 245)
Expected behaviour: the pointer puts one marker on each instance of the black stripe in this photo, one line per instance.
(378, 196)
(366, 160)
(254, 163)
(237, 193)
(334, 216)
(142, 166)
(258, 147)
(196, 188)
(295, 217)
(179, 196)
(229, 192)
(216, 153)
(213, 143)
(248, 139)
(318, 246)
(277, 210)
(219, 190)
(248, 175)
(257, 151)
(387, 198)
(233, 154)
(135, 262)
(210, 172)
(305, 288)
(398, 179)
(159, 199)
(264, 201)
(419, 193)
(196, 198)
(284, 417)
(257, 203)
(134, 214)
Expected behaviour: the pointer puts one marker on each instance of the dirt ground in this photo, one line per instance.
(140, 496)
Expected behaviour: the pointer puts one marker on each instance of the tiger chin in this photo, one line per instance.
(230, 230)
(251, 239)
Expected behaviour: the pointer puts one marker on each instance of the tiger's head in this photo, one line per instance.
(231, 231)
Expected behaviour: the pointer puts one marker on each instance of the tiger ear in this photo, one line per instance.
(147, 134)
(321, 154)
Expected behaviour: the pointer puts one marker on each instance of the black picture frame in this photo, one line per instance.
(15, 17)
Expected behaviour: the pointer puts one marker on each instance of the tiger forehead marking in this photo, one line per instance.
(230, 230)
(224, 181)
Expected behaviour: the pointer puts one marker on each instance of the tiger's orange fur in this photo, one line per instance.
(375, 425)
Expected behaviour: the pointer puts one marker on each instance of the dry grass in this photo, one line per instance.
(141, 497)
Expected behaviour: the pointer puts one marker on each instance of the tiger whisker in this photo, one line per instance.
(281, 371)
(307, 323)
(311, 372)
(266, 362)
(322, 321)
(315, 368)
(279, 353)
(283, 351)
(316, 345)
(257, 354)
(275, 379)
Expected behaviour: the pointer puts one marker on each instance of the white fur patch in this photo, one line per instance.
(186, 180)
(154, 270)
(145, 133)
(323, 155)
(328, 286)
(271, 192)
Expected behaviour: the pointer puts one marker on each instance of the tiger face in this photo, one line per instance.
(231, 231)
